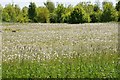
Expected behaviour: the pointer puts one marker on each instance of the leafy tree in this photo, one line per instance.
(60, 10)
(78, 15)
(9, 14)
(86, 6)
(109, 13)
(118, 6)
(23, 16)
(32, 12)
(42, 15)
(118, 9)
(66, 16)
(119, 16)
(96, 14)
(50, 6)
(17, 12)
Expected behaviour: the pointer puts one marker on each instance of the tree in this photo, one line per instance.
(60, 10)
(96, 14)
(42, 15)
(78, 15)
(23, 16)
(65, 16)
(32, 12)
(109, 13)
(118, 9)
(50, 6)
(118, 6)
(57, 15)
(119, 16)
(17, 12)
(9, 13)
(86, 6)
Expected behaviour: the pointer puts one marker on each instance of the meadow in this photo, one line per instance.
(37, 50)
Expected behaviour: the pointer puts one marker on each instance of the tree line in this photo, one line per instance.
(83, 12)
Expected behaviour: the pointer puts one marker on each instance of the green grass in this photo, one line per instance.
(81, 67)
(60, 51)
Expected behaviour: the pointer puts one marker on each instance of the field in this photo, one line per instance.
(60, 50)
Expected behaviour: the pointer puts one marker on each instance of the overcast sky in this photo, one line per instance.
(22, 3)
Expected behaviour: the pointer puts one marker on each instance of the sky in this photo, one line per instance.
(23, 3)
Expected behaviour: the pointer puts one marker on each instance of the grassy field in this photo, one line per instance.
(0, 52)
(60, 50)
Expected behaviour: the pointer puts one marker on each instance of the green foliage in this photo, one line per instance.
(96, 8)
(23, 16)
(109, 13)
(82, 13)
(53, 18)
(66, 16)
(78, 15)
(60, 10)
(89, 9)
(9, 13)
(50, 6)
(17, 10)
(118, 6)
(118, 9)
(96, 16)
(5, 16)
(86, 6)
(119, 16)
(32, 12)
(1, 10)
(86, 18)
(42, 15)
